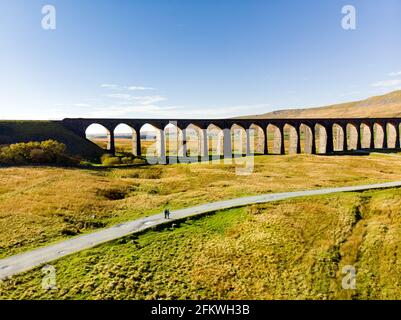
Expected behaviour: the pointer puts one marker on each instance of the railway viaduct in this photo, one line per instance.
(322, 136)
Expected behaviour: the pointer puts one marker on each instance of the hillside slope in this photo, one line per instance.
(387, 105)
(24, 131)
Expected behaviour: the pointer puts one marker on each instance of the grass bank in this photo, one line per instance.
(26, 131)
(293, 249)
(40, 205)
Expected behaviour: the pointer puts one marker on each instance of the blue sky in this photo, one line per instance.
(187, 58)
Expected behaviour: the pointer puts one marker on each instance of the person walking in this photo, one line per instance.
(166, 213)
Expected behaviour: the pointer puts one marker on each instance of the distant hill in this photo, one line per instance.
(387, 105)
(25, 131)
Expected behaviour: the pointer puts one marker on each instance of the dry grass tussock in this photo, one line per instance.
(40, 205)
(292, 249)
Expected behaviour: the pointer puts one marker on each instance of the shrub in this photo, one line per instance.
(112, 194)
(53, 147)
(139, 161)
(105, 157)
(111, 161)
(255, 209)
(49, 151)
(39, 156)
(126, 160)
(69, 232)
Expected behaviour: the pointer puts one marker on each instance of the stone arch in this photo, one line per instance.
(215, 140)
(291, 139)
(339, 138)
(398, 141)
(391, 135)
(258, 146)
(152, 139)
(320, 138)
(101, 136)
(238, 140)
(275, 139)
(352, 137)
(308, 145)
(173, 140)
(125, 139)
(366, 136)
(378, 130)
(194, 137)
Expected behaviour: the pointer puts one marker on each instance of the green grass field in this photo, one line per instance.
(292, 249)
(41, 205)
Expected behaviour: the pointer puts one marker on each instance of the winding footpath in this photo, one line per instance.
(31, 259)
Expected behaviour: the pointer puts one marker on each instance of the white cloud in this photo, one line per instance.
(139, 88)
(81, 105)
(110, 86)
(394, 74)
(122, 102)
(143, 100)
(123, 96)
(125, 88)
(147, 100)
(387, 83)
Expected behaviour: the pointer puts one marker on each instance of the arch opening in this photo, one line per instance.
(173, 136)
(151, 141)
(99, 135)
(258, 144)
(125, 139)
(215, 141)
(391, 135)
(238, 140)
(193, 139)
(291, 139)
(275, 139)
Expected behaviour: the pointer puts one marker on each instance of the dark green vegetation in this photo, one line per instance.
(122, 158)
(26, 131)
(45, 152)
(286, 250)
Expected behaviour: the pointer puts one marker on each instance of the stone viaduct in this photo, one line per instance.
(316, 136)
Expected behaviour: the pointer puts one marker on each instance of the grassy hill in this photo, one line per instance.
(25, 131)
(387, 105)
(294, 249)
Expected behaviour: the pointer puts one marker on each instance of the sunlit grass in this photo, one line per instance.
(40, 205)
(294, 249)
